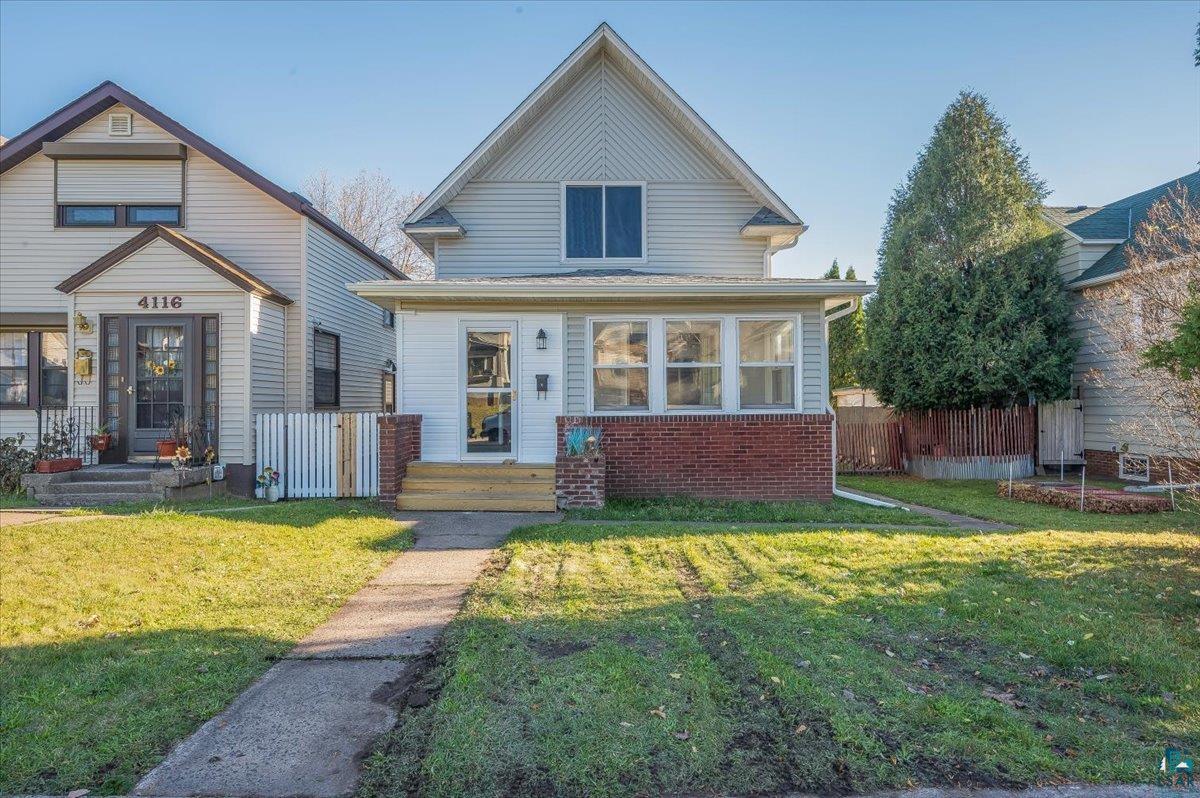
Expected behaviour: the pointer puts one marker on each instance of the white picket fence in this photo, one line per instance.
(320, 455)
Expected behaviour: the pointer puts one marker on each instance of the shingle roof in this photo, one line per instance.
(767, 216)
(1134, 208)
(1092, 223)
(435, 218)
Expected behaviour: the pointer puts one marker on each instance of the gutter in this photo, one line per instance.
(854, 497)
(772, 249)
(449, 289)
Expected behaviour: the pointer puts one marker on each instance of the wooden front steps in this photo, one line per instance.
(518, 487)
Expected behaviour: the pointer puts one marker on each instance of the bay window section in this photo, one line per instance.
(620, 366)
(767, 363)
(693, 351)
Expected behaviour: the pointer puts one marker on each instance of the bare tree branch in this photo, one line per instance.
(372, 209)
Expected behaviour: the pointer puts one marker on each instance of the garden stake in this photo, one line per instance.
(1010, 462)
(1171, 486)
(1082, 480)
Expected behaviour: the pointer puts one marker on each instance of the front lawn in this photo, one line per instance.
(119, 636)
(978, 498)
(682, 508)
(644, 659)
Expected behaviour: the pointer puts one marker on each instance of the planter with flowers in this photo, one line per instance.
(54, 449)
(179, 434)
(101, 439)
(579, 471)
(268, 480)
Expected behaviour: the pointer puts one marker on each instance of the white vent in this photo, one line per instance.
(120, 124)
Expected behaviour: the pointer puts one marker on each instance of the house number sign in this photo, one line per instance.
(160, 302)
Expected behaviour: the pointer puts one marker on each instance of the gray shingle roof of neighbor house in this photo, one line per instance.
(767, 216)
(1132, 210)
(107, 94)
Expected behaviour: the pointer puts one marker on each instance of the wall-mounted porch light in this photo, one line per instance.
(541, 339)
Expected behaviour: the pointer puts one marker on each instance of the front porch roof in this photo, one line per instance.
(608, 285)
(201, 253)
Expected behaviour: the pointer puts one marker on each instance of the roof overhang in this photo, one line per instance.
(101, 150)
(201, 253)
(606, 39)
(388, 293)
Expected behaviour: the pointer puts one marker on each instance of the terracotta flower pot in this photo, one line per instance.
(58, 465)
(100, 443)
(167, 448)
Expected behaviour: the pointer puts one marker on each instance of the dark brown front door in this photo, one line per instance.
(159, 377)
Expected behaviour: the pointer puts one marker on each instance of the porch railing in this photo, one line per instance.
(64, 431)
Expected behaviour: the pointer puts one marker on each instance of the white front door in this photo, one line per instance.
(489, 391)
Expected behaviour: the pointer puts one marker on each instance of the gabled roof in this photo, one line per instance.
(201, 253)
(108, 94)
(604, 38)
(1116, 221)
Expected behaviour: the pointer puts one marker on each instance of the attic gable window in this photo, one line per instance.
(604, 221)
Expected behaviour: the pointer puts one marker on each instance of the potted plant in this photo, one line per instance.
(268, 480)
(55, 448)
(178, 434)
(100, 439)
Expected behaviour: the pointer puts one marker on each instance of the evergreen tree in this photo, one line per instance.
(834, 272)
(846, 341)
(970, 309)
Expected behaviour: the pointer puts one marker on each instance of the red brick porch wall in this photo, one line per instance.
(1101, 463)
(399, 445)
(765, 456)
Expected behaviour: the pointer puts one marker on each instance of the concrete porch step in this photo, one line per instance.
(493, 502)
(484, 485)
(91, 499)
(95, 486)
(110, 474)
(531, 471)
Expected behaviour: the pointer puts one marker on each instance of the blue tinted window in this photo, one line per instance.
(152, 214)
(584, 230)
(622, 222)
(89, 215)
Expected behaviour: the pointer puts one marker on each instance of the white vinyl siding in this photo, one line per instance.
(148, 182)
(515, 228)
(366, 343)
(268, 378)
(431, 383)
(1077, 257)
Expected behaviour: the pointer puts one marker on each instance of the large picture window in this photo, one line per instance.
(620, 366)
(33, 368)
(603, 222)
(326, 369)
(767, 363)
(693, 363)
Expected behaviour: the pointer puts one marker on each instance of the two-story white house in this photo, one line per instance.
(603, 259)
(146, 275)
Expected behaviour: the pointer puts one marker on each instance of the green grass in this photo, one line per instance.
(644, 659)
(119, 636)
(838, 511)
(14, 501)
(978, 498)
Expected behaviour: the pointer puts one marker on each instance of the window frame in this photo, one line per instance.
(797, 322)
(120, 214)
(719, 365)
(33, 369)
(590, 346)
(337, 370)
(562, 220)
(1134, 473)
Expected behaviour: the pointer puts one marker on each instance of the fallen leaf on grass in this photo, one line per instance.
(626, 724)
(77, 793)
(675, 675)
(1004, 698)
(1023, 655)
(660, 712)
(775, 679)
(682, 735)
(801, 729)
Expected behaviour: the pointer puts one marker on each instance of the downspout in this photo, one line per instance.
(853, 306)
(772, 249)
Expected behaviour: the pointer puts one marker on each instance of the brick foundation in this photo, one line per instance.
(399, 445)
(768, 456)
(1107, 464)
(579, 481)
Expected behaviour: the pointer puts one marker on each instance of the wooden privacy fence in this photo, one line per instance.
(977, 443)
(320, 455)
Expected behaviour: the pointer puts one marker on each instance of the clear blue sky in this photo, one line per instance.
(828, 102)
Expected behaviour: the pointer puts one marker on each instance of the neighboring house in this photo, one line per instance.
(145, 275)
(855, 397)
(603, 258)
(1094, 254)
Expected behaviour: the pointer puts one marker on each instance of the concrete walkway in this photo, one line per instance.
(953, 519)
(302, 728)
